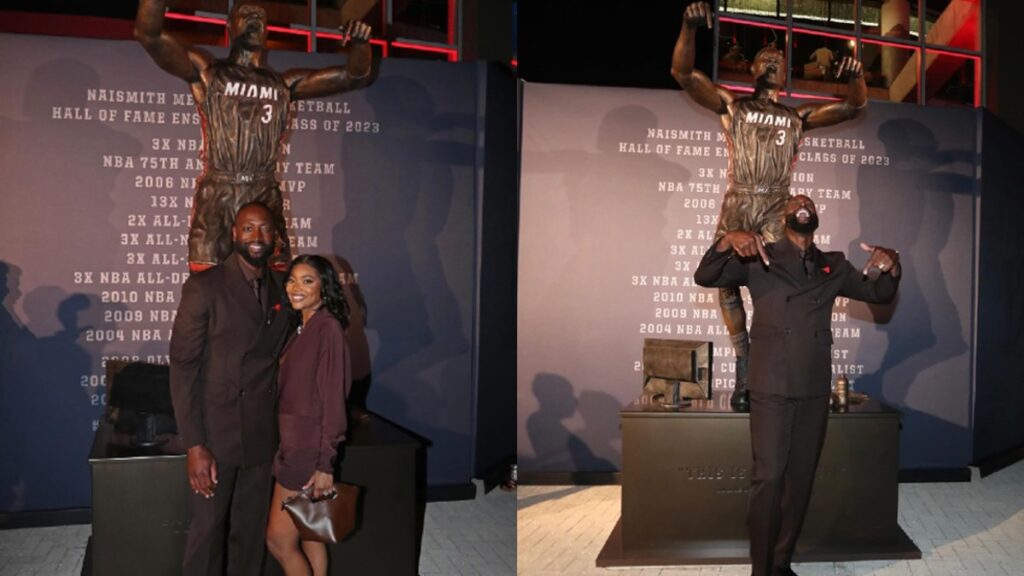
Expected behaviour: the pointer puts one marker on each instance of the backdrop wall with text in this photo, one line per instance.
(98, 156)
(620, 193)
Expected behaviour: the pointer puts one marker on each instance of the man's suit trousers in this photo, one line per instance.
(241, 500)
(786, 437)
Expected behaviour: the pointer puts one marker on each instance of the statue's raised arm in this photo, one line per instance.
(167, 52)
(831, 113)
(306, 83)
(694, 82)
(244, 107)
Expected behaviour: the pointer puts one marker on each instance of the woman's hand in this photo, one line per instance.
(322, 484)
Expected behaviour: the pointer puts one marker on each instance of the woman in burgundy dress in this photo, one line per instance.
(313, 385)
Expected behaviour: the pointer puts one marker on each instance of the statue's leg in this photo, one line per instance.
(203, 230)
(769, 219)
(282, 256)
(763, 214)
(230, 197)
(735, 318)
(736, 215)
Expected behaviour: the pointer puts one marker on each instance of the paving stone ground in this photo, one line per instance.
(963, 529)
(468, 538)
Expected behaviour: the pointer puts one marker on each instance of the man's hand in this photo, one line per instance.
(202, 471)
(355, 32)
(696, 14)
(851, 66)
(744, 244)
(322, 484)
(882, 261)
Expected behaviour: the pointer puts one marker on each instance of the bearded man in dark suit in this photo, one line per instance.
(793, 285)
(224, 348)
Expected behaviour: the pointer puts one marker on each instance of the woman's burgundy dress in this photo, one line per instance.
(313, 384)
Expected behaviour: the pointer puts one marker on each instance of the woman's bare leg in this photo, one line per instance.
(283, 537)
(316, 553)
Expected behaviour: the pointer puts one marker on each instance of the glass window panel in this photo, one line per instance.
(193, 6)
(891, 71)
(764, 8)
(400, 52)
(294, 41)
(425, 20)
(515, 30)
(831, 13)
(816, 59)
(951, 79)
(890, 18)
(954, 23)
(329, 15)
(738, 43)
(287, 12)
(333, 46)
(192, 33)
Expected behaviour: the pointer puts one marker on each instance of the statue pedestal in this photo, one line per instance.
(140, 521)
(686, 475)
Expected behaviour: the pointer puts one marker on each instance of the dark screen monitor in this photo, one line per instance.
(682, 364)
(139, 400)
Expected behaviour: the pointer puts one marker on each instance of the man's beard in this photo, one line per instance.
(258, 261)
(802, 227)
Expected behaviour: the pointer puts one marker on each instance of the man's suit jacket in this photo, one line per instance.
(791, 336)
(224, 353)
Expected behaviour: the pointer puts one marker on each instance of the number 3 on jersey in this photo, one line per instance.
(780, 137)
(268, 114)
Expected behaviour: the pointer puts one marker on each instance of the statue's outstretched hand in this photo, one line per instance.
(696, 14)
(851, 66)
(355, 32)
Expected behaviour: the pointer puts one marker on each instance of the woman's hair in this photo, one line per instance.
(331, 295)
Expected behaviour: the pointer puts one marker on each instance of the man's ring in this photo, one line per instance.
(881, 266)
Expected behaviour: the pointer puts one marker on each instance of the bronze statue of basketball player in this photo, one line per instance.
(243, 106)
(763, 137)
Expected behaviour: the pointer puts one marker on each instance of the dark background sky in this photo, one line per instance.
(603, 43)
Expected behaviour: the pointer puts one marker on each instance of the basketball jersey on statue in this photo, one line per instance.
(764, 137)
(244, 115)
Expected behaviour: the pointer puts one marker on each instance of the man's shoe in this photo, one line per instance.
(783, 572)
(740, 401)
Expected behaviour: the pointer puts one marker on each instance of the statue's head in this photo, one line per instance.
(769, 67)
(247, 25)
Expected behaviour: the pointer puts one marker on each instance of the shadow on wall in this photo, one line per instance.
(400, 205)
(597, 218)
(396, 211)
(54, 173)
(556, 448)
(56, 167)
(50, 398)
(358, 345)
(920, 186)
(596, 227)
(15, 341)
